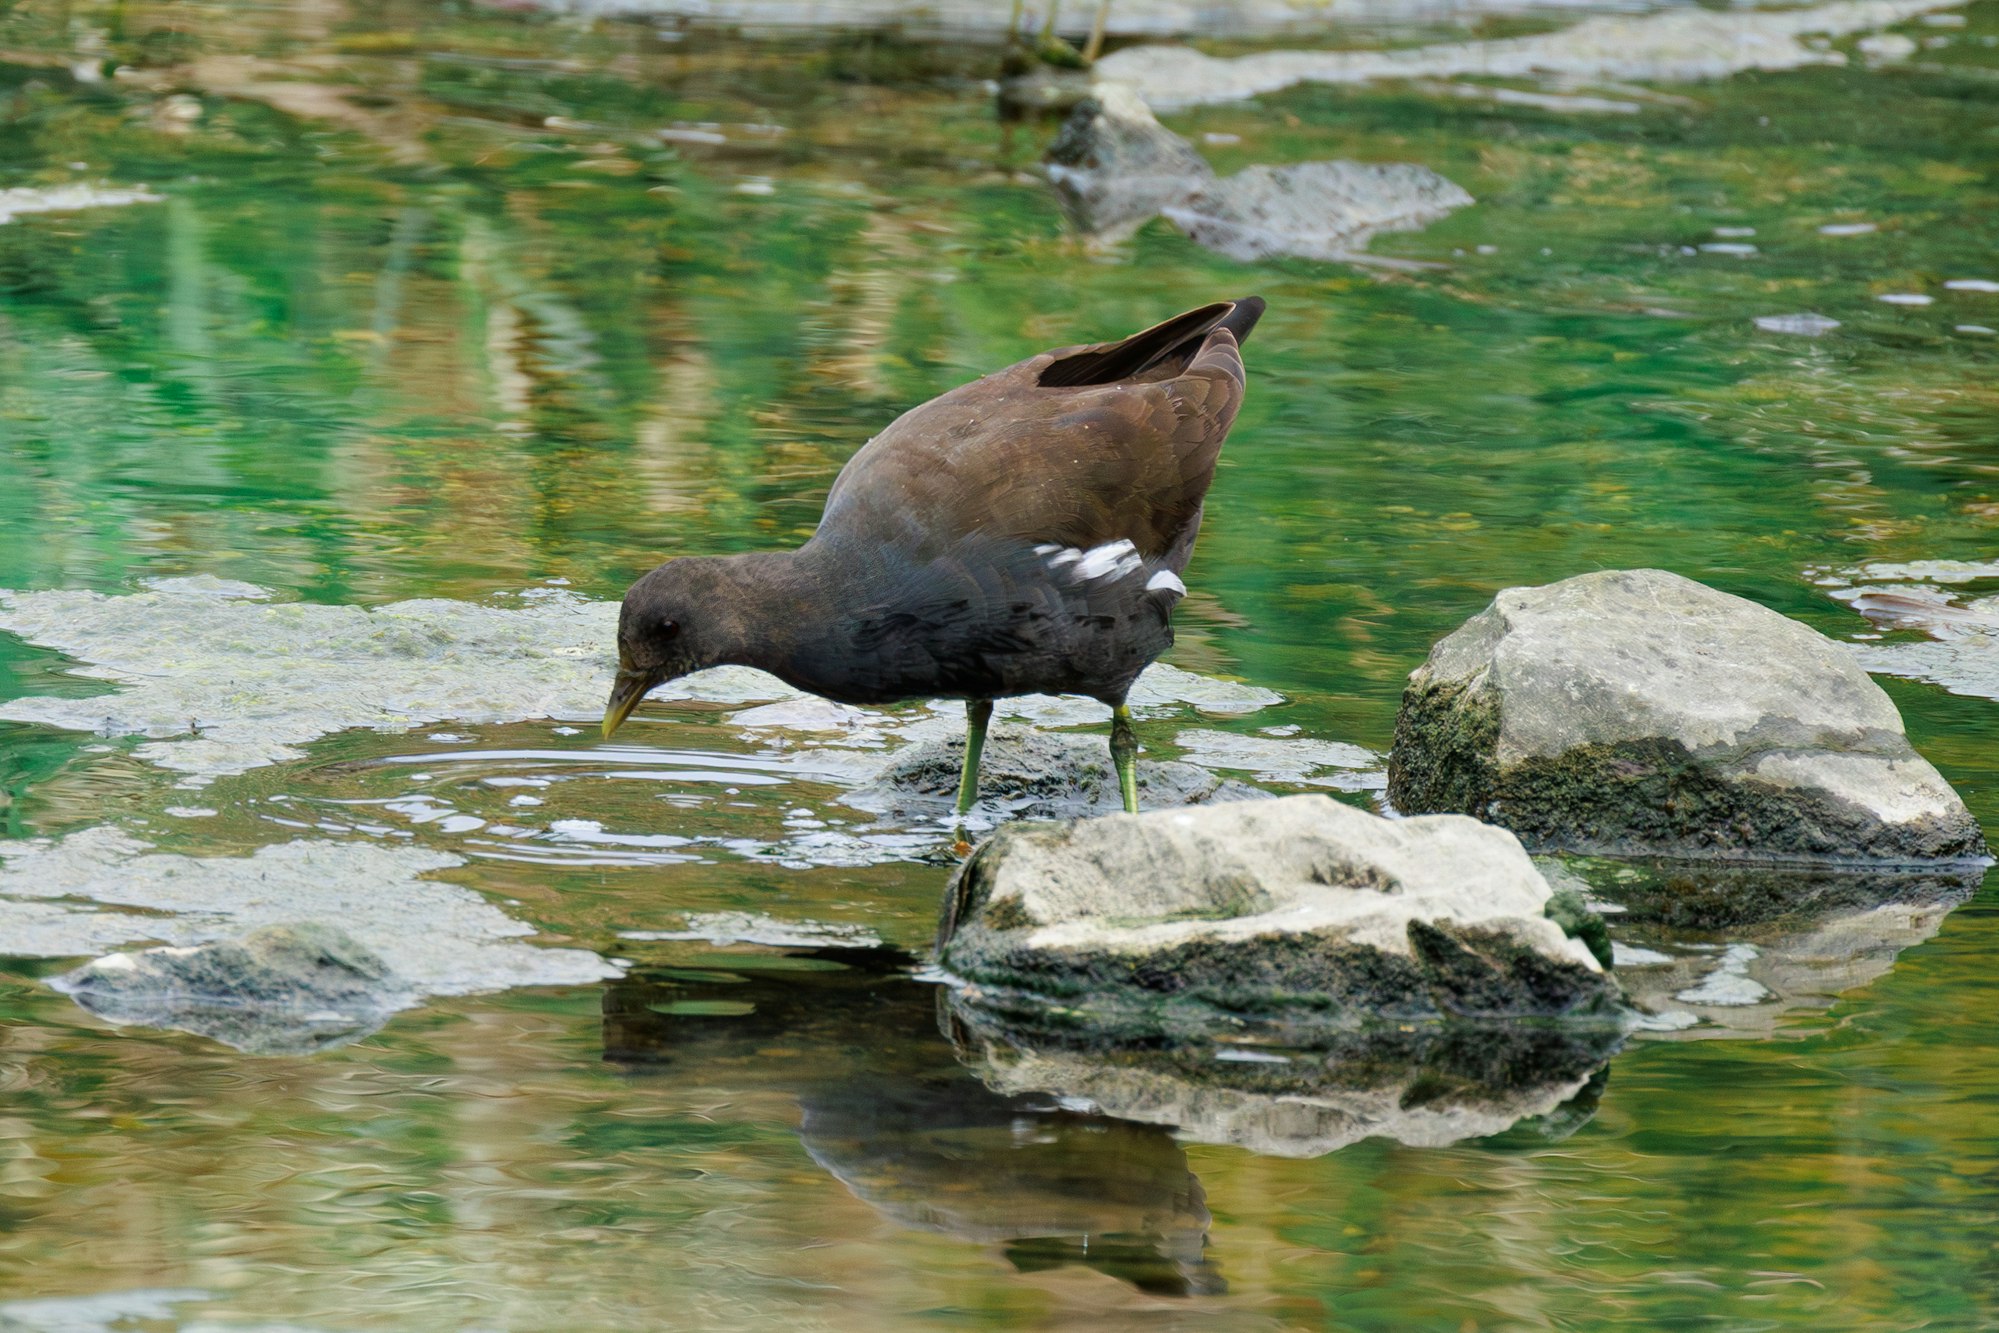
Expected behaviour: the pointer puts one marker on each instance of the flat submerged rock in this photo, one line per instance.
(1303, 913)
(1033, 775)
(100, 889)
(279, 989)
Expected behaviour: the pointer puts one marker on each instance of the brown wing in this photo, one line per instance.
(1034, 455)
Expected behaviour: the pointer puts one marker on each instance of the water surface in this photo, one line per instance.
(428, 308)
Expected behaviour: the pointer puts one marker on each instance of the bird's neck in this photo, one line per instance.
(763, 608)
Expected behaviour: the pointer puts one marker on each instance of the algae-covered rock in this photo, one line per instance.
(1638, 712)
(1033, 775)
(1301, 912)
(1115, 167)
(278, 989)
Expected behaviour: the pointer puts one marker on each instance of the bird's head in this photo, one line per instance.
(666, 629)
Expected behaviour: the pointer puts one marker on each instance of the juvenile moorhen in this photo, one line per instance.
(1021, 534)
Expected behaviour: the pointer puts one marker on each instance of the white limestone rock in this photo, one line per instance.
(1300, 912)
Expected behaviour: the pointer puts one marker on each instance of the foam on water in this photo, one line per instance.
(1282, 759)
(225, 679)
(69, 198)
(99, 1313)
(1805, 325)
(754, 928)
(1937, 598)
(101, 889)
(1676, 45)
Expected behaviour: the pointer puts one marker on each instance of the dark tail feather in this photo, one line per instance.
(1175, 341)
(1242, 319)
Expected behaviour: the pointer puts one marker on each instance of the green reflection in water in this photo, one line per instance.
(430, 310)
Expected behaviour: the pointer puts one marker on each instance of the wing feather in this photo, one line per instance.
(1007, 457)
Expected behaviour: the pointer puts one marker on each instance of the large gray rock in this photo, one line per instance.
(1303, 913)
(278, 990)
(1635, 711)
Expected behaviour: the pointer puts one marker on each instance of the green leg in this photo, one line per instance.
(978, 712)
(1124, 756)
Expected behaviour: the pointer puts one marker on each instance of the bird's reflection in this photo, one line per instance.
(886, 1107)
(944, 1119)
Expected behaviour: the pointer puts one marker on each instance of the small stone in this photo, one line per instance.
(278, 989)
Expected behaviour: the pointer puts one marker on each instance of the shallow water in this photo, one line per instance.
(429, 319)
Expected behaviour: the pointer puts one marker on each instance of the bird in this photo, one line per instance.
(1021, 534)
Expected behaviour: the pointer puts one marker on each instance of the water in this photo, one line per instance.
(428, 310)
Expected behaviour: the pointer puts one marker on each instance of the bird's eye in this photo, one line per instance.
(666, 629)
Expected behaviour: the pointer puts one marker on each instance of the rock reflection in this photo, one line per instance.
(887, 1109)
(1710, 950)
(944, 1121)
(1426, 1084)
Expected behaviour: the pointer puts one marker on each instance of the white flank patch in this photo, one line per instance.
(1166, 581)
(1112, 560)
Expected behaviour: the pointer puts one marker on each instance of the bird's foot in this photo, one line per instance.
(1124, 757)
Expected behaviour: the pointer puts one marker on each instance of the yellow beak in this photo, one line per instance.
(631, 687)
